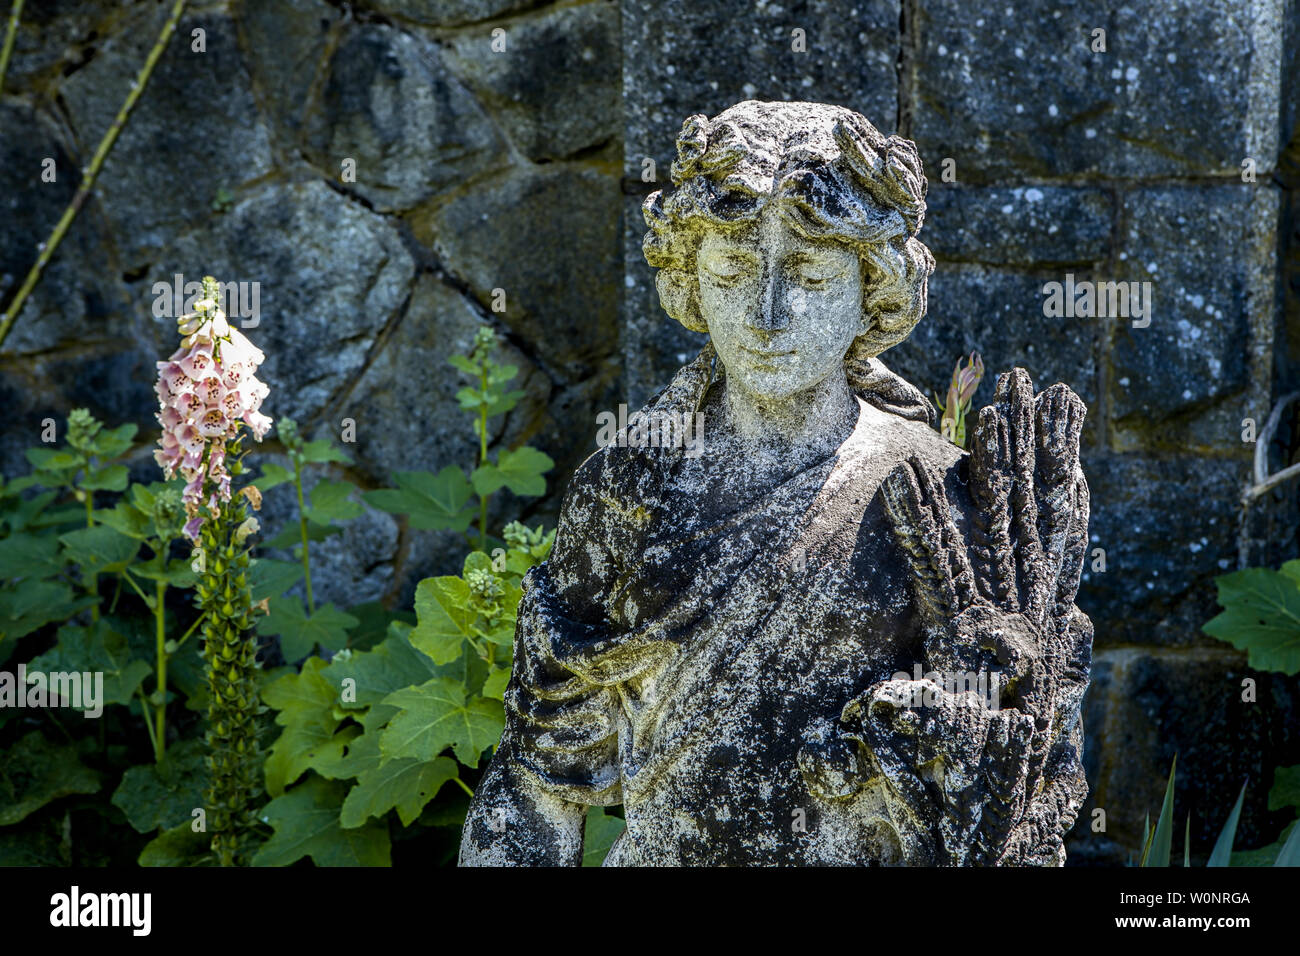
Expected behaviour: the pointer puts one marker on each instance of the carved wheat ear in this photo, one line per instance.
(922, 520)
(990, 484)
(1059, 415)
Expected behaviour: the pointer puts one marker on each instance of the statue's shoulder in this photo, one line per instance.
(634, 448)
(884, 440)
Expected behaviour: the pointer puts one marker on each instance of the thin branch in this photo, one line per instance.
(1264, 482)
(11, 34)
(91, 172)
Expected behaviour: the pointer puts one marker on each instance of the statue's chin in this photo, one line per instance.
(776, 385)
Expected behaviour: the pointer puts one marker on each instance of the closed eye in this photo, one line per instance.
(730, 268)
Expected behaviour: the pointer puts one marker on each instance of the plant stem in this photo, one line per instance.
(160, 640)
(11, 34)
(126, 573)
(197, 621)
(482, 458)
(91, 171)
(92, 583)
(147, 712)
(302, 529)
(461, 783)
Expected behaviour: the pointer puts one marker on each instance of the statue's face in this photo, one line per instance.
(782, 310)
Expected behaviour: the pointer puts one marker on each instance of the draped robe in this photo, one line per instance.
(677, 651)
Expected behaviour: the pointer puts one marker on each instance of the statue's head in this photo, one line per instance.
(790, 238)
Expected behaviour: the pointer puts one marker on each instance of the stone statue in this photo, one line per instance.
(832, 637)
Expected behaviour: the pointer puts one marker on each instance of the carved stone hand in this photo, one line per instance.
(991, 782)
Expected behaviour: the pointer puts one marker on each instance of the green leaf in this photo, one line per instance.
(305, 702)
(330, 502)
(520, 470)
(30, 556)
(179, 846)
(127, 519)
(299, 634)
(38, 842)
(1261, 615)
(432, 502)
(322, 450)
(601, 832)
(487, 479)
(30, 512)
(112, 442)
(436, 715)
(495, 685)
(1286, 788)
(358, 755)
(272, 475)
(1221, 855)
(106, 478)
(270, 579)
(177, 572)
(1289, 855)
(97, 648)
(376, 624)
(34, 772)
(164, 794)
(306, 823)
(52, 459)
(1265, 855)
(464, 363)
(1161, 842)
(33, 604)
(375, 674)
(445, 619)
(405, 784)
(101, 548)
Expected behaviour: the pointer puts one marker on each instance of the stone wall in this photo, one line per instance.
(523, 170)
(475, 171)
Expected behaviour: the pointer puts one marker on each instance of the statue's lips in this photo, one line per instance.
(767, 355)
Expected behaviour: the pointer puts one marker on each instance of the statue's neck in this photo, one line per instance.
(815, 421)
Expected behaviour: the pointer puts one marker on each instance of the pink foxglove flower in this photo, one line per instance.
(207, 391)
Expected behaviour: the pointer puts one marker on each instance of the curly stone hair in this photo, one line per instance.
(834, 176)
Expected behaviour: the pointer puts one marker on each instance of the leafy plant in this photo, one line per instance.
(300, 631)
(1156, 844)
(961, 392)
(373, 750)
(385, 744)
(1261, 616)
(442, 501)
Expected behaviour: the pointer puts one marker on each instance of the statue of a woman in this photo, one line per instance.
(766, 652)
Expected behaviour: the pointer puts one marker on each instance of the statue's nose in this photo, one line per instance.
(771, 314)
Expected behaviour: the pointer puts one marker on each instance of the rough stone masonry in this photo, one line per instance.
(756, 650)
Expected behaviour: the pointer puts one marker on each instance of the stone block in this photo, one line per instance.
(1010, 103)
(555, 87)
(390, 103)
(1168, 527)
(1203, 364)
(194, 131)
(331, 276)
(1146, 707)
(547, 237)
